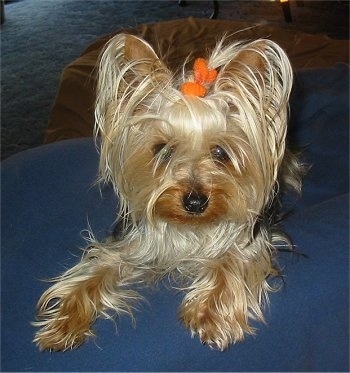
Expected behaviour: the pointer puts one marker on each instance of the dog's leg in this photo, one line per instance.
(223, 297)
(91, 288)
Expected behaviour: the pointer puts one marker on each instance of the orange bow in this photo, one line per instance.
(202, 76)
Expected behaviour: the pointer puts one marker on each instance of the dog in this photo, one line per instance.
(199, 162)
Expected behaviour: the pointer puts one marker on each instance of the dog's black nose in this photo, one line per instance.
(195, 203)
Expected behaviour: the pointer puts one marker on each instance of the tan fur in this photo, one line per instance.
(197, 179)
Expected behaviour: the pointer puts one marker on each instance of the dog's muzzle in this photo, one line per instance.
(195, 203)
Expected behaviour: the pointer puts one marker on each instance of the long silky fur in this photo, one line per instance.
(223, 266)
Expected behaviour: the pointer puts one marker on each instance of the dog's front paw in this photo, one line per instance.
(64, 322)
(60, 334)
(216, 324)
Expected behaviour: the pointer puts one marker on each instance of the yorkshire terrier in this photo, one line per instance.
(198, 160)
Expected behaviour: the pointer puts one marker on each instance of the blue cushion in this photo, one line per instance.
(49, 198)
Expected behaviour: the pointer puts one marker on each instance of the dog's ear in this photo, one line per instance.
(256, 80)
(124, 63)
(258, 74)
(250, 58)
(137, 49)
(130, 78)
(260, 61)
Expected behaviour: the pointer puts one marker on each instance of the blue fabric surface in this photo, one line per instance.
(49, 198)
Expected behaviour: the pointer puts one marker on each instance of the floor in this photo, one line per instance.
(330, 17)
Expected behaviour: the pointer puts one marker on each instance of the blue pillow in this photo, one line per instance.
(49, 198)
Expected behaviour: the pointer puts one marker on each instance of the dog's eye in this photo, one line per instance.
(219, 154)
(163, 152)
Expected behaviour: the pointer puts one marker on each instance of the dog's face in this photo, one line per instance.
(190, 164)
(186, 159)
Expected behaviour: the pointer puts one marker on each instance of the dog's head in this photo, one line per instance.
(192, 158)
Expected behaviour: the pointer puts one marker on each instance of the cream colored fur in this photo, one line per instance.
(159, 148)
